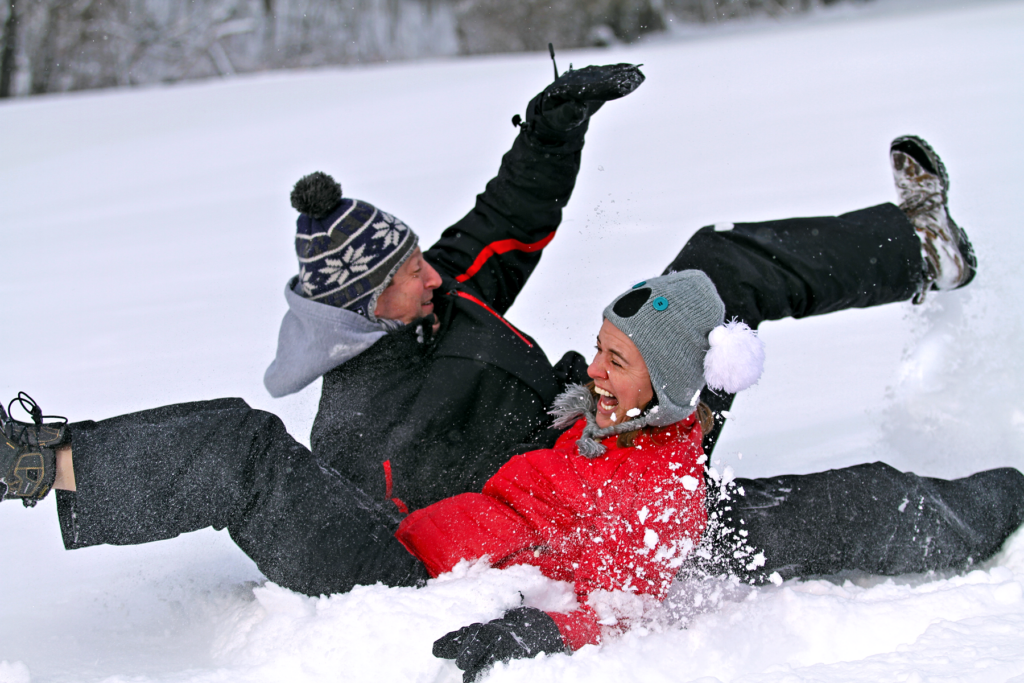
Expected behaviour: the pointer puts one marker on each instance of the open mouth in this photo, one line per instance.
(606, 403)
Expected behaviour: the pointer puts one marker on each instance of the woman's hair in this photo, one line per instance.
(625, 440)
(706, 417)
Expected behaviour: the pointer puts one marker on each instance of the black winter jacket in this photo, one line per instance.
(420, 421)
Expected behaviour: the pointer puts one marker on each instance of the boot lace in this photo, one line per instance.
(16, 430)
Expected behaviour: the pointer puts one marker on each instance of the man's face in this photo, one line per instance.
(409, 295)
(620, 377)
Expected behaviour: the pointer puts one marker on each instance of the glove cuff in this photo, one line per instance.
(559, 130)
(536, 629)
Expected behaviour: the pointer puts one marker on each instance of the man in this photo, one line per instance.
(427, 388)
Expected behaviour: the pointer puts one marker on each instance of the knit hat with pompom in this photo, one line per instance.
(676, 322)
(348, 249)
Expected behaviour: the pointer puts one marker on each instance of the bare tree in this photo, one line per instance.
(9, 54)
(61, 45)
(709, 11)
(501, 26)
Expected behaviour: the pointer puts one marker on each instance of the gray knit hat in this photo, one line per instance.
(676, 323)
(669, 319)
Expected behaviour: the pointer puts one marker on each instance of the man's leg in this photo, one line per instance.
(875, 519)
(159, 473)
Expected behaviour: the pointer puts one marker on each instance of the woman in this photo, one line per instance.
(619, 503)
(609, 513)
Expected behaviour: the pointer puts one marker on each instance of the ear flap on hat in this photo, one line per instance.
(735, 360)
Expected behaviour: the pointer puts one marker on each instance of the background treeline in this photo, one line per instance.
(61, 45)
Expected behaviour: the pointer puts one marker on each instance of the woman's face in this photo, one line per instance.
(620, 377)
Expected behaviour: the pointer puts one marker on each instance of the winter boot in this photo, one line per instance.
(28, 455)
(923, 185)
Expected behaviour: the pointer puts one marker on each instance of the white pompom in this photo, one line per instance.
(735, 360)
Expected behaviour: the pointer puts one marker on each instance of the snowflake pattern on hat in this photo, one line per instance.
(389, 228)
(307, 286)
(353, 261)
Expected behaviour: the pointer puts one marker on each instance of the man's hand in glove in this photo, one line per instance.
(578, 93)
(521, 633)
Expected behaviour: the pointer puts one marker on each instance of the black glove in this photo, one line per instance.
(578, 93)
(597, 84)
(522, 633)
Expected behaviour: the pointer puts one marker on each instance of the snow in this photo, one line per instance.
(147, 237)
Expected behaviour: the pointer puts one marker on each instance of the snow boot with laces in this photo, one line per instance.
(923, 187)
(28, 454)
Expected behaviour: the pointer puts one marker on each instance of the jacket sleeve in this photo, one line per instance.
(640, 552)
(464, 527)
(496, 246)
(578, 628)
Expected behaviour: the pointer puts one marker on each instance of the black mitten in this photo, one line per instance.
(522, 633)
(593, 84)
(578, 93)
(556, 116)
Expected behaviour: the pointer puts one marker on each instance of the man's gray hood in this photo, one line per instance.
(315, 338)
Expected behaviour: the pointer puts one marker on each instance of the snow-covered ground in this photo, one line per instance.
(146, 236)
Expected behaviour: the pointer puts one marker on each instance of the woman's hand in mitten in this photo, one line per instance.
(522, 633)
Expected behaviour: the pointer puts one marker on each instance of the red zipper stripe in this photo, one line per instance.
(402, 507)
(501, 247)
(497, 315)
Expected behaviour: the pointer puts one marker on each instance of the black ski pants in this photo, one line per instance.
(158, 473)
(871, 518)
(155, 474)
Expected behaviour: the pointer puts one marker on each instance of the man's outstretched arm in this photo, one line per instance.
(496, 246)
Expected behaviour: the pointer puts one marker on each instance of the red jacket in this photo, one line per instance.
(623, 521)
